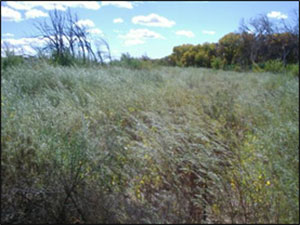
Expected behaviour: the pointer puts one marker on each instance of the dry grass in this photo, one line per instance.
(167, 145)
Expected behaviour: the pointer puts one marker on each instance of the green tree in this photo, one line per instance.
(229, 47)
(178, 52)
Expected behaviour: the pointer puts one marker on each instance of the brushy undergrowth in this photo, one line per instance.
(167, 145)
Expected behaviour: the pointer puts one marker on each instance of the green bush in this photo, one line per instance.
(217, 63)
(11, 60)
(135, 63)
(130, 62)
(293, 69)
(274, 66)
(64, 59)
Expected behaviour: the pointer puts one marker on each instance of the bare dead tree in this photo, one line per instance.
(262, 29)
(291, 42)
(69, 33)
(108, 49)
(103, 53)
(262, 35)
(65, 36)
(293, 26)
(248, 37)
(99, 54)
(54, 32)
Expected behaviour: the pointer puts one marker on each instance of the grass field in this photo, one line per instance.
(166, 145)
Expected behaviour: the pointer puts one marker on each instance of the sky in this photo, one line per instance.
(149, 28)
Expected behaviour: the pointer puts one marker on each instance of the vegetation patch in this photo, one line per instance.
(166, 145)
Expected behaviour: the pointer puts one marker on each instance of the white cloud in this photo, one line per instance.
(49, 5)
(153, 20)
(142, 33)
(138, 36)
(8, 35)
(277, 15)
(23, 45)
(24, 41)
(19, 5)
(118, 20)
(95, 31)
(119, 4)
(28, 50)
(82, 4)
(24, 50)
(85, 23)
(186, 33)
(8, 14)
(34, 13)
(210, 32)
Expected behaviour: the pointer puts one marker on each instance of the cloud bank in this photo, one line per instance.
(153, 20)
(138, 36)
(277, 15)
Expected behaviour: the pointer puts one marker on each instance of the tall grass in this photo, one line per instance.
(166, 145)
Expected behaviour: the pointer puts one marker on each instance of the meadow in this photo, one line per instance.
(109, 144)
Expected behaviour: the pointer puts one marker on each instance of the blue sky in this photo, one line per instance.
(139, 28)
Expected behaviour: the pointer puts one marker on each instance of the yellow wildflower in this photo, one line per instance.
(232, 184)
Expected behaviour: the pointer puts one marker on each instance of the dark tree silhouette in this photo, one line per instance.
(65, 37)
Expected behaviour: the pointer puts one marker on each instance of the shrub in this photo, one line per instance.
(130, 62)
(11, 60)
(135, 63)
(293, 69)
(64, 59)
(217, 63)
(274, 66)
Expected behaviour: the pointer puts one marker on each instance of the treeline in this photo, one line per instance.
(259, 44)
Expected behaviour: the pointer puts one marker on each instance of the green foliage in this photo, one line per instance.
(11, 60)
(135, 63)
(259, 49)
(190, 55)
(235, 51)
(167, 145)
(229, 46)
(217, 63)
(130, 62)
(202, 59)
(275, 66)
(293, 69)
(64, 59)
